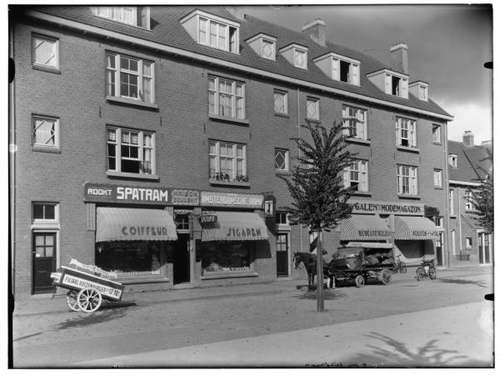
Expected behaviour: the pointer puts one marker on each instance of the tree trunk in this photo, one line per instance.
(319, 272)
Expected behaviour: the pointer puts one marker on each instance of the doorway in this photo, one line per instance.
(44, 261)
(181, 259)
(282, 254)
(484, 243)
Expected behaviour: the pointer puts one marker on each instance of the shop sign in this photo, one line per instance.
(208, 219)
(185, 197)
(425, 233)
(80, 283)
(379, 207)
(374, 233)
(126, 194)
(213, 198)
(243, 232)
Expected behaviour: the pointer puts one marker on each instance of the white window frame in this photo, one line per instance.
(357, 115)
(453, 160)
(48, 39)
(216, 94)
(359, 167)
(117, 14)
(234, 166)
(353, 71)
(312, 102)
(57, 131)
(408, 125)
(116, 70)
(469, 200)
(284, 95)
(438, 178)
(407, 176)
(287, 159)
(451, 199)
(296, 53)
(270, 42)
(438, 221)
(468, 242)
(222, 32)
(423, 92)
(44, 222)
(453, 242)
(436, 133)
(141, 151)
(282, 214)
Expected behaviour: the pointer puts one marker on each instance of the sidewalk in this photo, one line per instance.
(44, 304)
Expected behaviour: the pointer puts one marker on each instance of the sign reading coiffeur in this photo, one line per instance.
(126, 194)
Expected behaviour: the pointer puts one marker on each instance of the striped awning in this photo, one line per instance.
(364, 227)
(415, 228)
(134, 224)
(236, 226)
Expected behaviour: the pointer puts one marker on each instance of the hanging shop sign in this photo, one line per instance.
(207, 220)
(380, 207)
(214, 199)
(185, 197)
(125, 194)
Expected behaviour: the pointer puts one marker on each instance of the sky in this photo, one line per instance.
(447, 47)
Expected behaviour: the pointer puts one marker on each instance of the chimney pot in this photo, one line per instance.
(468, 138)
(399, 55)
(316, 30)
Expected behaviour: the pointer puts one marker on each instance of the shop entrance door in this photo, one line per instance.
(484, 248)
(439, 250)
(282, 254)
(181, 259)
(44, 261)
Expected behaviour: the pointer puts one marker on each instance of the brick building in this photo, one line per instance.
(469, 164)
(150, 140)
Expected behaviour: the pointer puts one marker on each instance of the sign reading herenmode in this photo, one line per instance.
(380, 207)
(123, 193)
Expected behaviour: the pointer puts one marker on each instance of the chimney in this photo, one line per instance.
(316, 30)
(468, 138)
(399, 56)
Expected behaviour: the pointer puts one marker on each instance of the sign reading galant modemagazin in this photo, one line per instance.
(126, 194)
(381, 207)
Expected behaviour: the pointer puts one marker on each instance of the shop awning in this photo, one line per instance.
(134, 224)
(415, 228)
(364, 227)
(236, 226)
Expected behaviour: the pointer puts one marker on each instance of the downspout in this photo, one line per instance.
(444, 245)
(12, 166)
(459, 201)
(298, 136)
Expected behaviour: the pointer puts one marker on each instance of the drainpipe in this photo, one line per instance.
(12, 165)
(444, 245)
(298, 136)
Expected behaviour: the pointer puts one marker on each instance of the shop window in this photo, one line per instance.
(45, 52)
(468, 242)
(227, 162)
(280, 102)
(436, 133)
(356, 176)
(438, 178)
(355, 122)
(129, 78)
(226, 257)
(407, 180)
(226, 97)
(45, 133)
(281, 162)
(134, 16)
(406, 132)
(130, 151)
(312, 109)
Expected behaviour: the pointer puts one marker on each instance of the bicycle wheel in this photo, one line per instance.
(420, 273)
(359, 281)
(432, 273)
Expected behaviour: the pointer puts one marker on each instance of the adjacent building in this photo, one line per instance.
(150, 141)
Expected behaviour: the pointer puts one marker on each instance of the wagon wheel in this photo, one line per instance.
(359, 281)
(72, 301)
(420, 273)
(403, 268)
(385, 277)
(432, 273)
(89, 300)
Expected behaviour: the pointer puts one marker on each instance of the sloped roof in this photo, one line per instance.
(167, 30)
(473, 164)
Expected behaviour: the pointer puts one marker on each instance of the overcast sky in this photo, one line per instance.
(447, 47)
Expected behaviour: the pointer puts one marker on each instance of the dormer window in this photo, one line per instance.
(390, 82)
(420, 90)
(212, 31)
(453, 160)
(339, 68)
(134, 16)
(295, 55)
(264, 45)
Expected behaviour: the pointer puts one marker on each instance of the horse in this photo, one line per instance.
(309, 261)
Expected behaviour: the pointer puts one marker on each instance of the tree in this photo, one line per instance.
(319, 198)
(483, 203)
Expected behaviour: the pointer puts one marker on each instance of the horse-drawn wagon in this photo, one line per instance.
(88, 286)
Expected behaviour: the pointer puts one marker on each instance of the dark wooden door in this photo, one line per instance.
(44, 261)
(181, 259)
(282, 254)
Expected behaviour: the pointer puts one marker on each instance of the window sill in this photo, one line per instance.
(137, 103)
(142, 279)
(284, 115)
(48, 69)
(406, 196)
(229, 183)
(314, 121)
(408, 149)
(228, 274)
(229, 119)
(362, 193)
(50, 150)
(152, 177)
(358, 140)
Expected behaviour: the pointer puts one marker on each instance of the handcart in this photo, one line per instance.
(87, 288)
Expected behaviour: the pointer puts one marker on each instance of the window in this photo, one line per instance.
(423, 92)
(45, 132)
(469, 200)
(281, 159)
(226, 256)
(218, 35)
(407, 180)
(226, 97)
(312, 109)
(357, 176)
(438, 178)
(406, 132)
(468, 242)
(45, 212)
(182, 222)
(395, 85)
(438, 220)
(45, 51)
(282, 218)
(268, 49)
(300, 58)
(130, 78)
(227, 162)
(130, 151)
(436, 133)
(453, 244)
(134, 16)
(452, 202)
(346, 71)
(354, 122)
(280, 102)
(453, 160)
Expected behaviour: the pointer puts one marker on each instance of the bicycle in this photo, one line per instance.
(426, 269)
(399, 266)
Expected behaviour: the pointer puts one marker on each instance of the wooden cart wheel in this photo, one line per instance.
(385, 277)
(359, 281)
(89, 300)
(432, 273)
(72, 301)
(420, 273)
